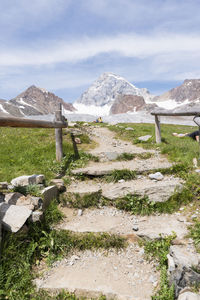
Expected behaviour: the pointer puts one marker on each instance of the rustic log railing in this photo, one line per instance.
(158, 113)
(58, 123)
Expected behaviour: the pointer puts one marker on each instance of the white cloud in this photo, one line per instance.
(129, 45)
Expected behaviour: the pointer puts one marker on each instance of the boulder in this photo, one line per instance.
(27, 179)
(185, 259)
(13, 217)
(189, 296)
(60, 184)
(49, 193)
(144, 138)
(18, 199)
(36, 216)
(12, 198)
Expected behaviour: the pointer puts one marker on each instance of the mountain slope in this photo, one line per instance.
(189, 91)
(34, 101)
(106, 89)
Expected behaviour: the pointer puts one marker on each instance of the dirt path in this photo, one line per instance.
(124, 274)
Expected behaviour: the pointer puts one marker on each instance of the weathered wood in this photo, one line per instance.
(28, 123)
(173, 114)
(157, 130)
(76, 154)
(58, 134)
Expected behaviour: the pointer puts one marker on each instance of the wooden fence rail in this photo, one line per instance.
(58, 123)
(158, 113)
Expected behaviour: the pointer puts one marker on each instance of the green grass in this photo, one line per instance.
(157, 251)
(28, 151)
(179, 150)
(87, 200)
(21, 251)
(116, 175)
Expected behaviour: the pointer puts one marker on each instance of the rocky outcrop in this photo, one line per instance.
(189, 90)
(127, 103)
(33, 101)
(107, 88)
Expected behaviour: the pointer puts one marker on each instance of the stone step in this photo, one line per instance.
(138, 165)
(112, 220)
(117, 275)
(157, 191)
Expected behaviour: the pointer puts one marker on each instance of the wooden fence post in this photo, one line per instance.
(157, 129)
(58, 134)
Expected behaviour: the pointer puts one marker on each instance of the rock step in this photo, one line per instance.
(138, 165)
(112, 220)
(117, 275)
(158, 191)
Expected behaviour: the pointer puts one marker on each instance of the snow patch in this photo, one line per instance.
(170, 104)
(21, 101)
(92, 109)
(3, 109)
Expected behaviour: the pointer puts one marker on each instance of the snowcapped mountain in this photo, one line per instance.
(101, 95)
(186, 93)
(34, 101)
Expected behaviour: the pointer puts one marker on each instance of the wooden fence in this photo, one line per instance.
(158, 113)
(58, 123)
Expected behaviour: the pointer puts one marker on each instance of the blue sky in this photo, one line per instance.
(64, 45)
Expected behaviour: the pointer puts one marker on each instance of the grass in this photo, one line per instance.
(21, 251)
(87, 200)
(130, 156)
(116, 175)
(157, 250)
(179, 150)
(28, 151)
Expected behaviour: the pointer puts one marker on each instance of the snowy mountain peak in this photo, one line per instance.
(107, 88)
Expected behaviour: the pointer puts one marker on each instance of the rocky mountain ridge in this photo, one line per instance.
(106, 89)
(33, 101)
(188, 91)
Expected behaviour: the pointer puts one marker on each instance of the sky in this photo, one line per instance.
(65, 45)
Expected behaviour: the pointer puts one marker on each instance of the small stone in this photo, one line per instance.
(144, 138)
(36, 216)
(80, 212)
(77, 140)
(4, 185)
(181, 219)
(156, 176)
(129, 128)
(121, 180)
(193, 216)
(152, 279)
(135, 228)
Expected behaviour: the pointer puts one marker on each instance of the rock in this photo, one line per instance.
(129, 128)
(171, 264)
(125, 103)
(184, 255)
(21, 200)
(36, 216)
(3, 185)
(135, 228)
(49, 193)
(111, 155)
(77, 140)
(13, 217)
(144, 138)
(80, 212)
(121, 180)
(60, 184)
(156, 176)
(2, 197)
(12, 198)
(27, 179)
(189, 296)
(185, 259)
(195, 163)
